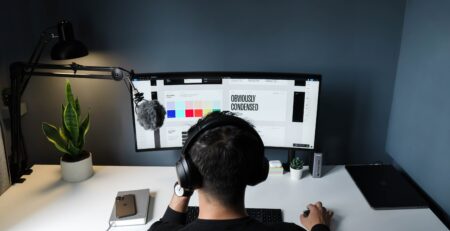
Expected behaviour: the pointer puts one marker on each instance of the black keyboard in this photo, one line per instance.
(265, 216)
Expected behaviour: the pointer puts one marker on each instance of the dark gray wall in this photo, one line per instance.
(419, 128)
(353, 44)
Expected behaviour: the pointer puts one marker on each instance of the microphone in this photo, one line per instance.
(150, 114)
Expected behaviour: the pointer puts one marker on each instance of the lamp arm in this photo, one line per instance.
(45, 37)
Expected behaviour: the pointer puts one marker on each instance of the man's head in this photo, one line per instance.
(227, 154)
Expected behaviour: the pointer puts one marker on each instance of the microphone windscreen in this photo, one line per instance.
(150, 114)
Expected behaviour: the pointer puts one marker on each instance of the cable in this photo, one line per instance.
(138, 96)
(111, 224)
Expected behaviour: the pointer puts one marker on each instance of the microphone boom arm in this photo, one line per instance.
(114, 73)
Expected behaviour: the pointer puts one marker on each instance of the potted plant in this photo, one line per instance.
(296, 168)
(76, 163)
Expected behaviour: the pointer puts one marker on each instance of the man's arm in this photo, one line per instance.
(175, 216)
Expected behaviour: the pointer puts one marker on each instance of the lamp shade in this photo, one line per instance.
(67, 47)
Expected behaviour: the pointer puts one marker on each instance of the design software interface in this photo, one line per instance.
(282, 109)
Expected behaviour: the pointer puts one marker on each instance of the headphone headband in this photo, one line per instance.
(212, 123)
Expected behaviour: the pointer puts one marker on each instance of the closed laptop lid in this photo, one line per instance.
(384, 187)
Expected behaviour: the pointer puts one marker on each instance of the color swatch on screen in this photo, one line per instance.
(191, 109)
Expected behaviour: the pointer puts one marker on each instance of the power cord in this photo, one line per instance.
(111, 224)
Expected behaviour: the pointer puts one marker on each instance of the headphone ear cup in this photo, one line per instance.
(259, 169)
(188, 175)
(264, 170)
(260, 172)
(196, 177)
(182, 173)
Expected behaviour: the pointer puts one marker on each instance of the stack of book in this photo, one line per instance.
(275, 167)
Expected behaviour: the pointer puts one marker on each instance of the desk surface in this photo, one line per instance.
(45, 202)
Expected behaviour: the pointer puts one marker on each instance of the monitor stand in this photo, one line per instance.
(291, 154)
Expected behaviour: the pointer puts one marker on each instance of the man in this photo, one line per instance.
(225, 151)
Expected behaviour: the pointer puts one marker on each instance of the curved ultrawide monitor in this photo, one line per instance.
(282, 107)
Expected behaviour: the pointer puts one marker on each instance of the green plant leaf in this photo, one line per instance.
(77, 107)
(71, 122)
(296, 163)
(65, 130)
(62, 134)
(51, 132)
(69, 95)
(73, 151)
(84, 128)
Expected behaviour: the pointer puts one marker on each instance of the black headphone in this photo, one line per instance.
(188, 175)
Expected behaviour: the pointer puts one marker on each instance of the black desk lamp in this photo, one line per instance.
(67, 47)
(20, 73)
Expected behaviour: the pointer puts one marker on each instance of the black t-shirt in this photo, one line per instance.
(173, 220)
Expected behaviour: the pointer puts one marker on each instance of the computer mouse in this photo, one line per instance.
(306, 212)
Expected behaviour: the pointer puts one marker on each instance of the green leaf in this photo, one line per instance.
(297, 163)
(74, 151)
(71, 122)
(77, 107)
(69, 95)
(51, 132)
(62, 134)
(84, 128)
(66, 131)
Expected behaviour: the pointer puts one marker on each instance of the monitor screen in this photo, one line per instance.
(282, 107)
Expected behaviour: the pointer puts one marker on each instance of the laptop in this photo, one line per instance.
(385, 188)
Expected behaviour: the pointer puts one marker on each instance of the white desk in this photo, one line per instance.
(45, 202)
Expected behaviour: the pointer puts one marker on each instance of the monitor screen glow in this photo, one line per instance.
(283, 108)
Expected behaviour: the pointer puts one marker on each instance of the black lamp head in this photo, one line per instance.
(67, 47)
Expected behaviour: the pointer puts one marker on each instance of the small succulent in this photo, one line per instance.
(70, 137)
(296, 163)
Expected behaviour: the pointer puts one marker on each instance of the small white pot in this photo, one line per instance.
(77, 171)
(296, 174)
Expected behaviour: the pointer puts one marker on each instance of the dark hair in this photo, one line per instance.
(223, 156)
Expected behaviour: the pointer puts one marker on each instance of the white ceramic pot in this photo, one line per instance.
(77, 171)
(296, 174)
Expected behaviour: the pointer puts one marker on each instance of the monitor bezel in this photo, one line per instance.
(242, 75)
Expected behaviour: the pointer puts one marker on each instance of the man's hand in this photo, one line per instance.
(317, 215)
